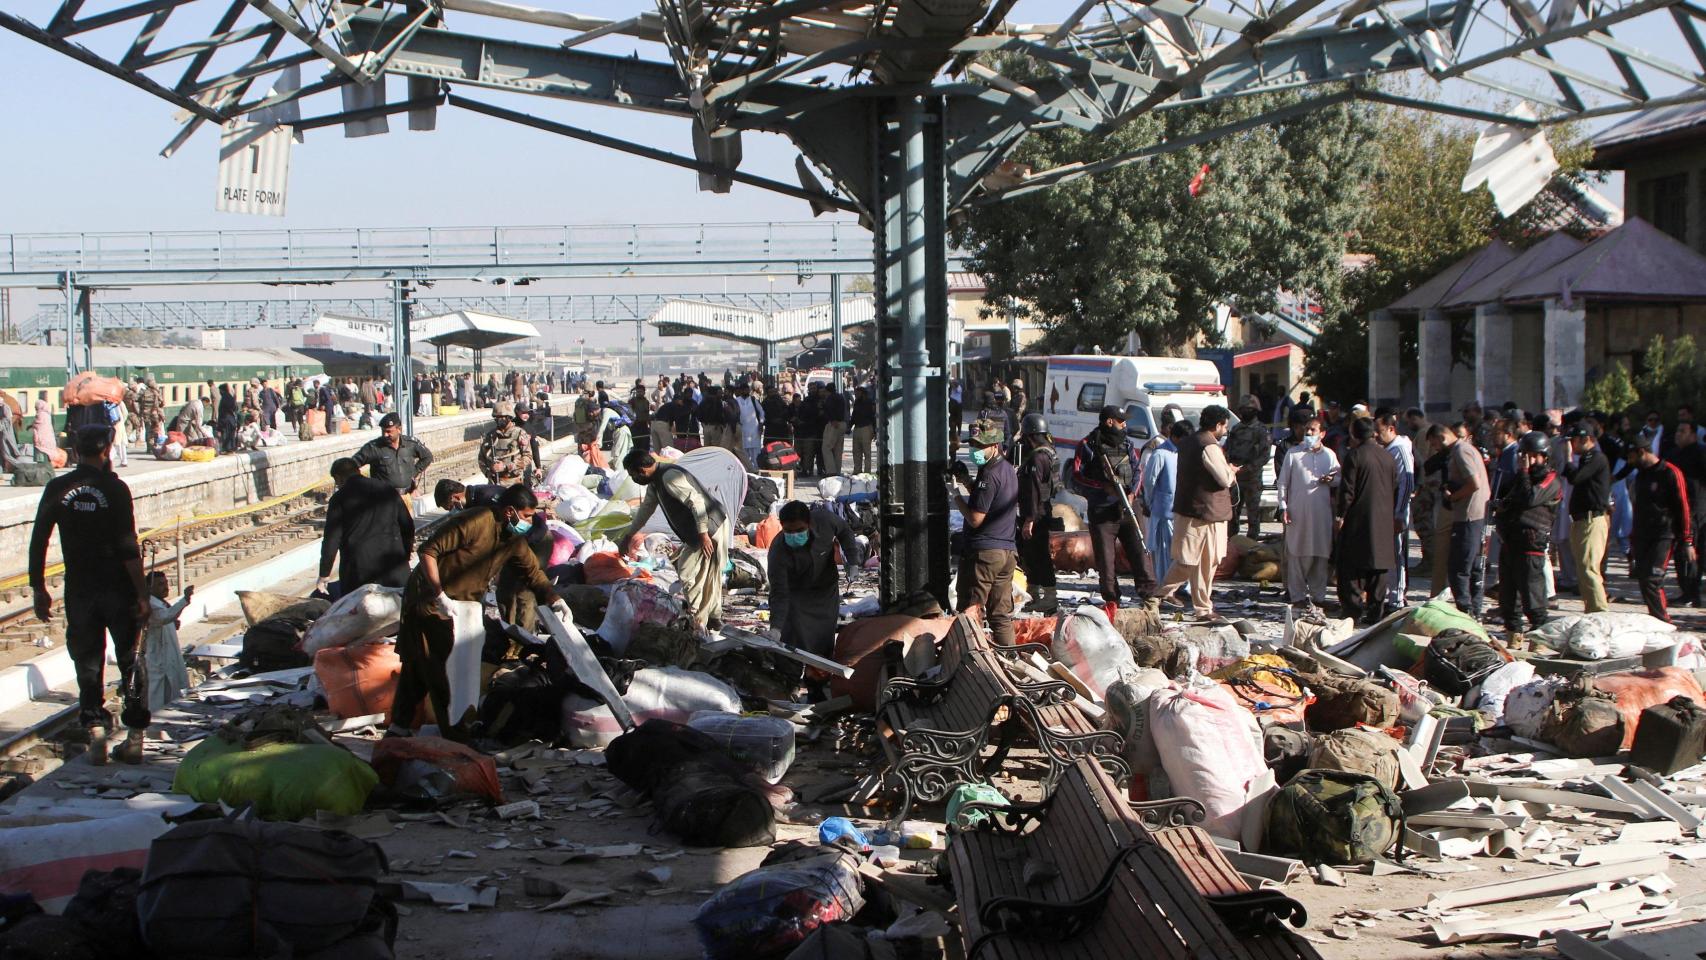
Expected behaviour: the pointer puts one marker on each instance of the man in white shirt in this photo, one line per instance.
(1306, 480)
(751, 423)
(1404, 460)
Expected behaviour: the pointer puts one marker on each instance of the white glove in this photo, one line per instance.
(443, 605)
(561, 609)
(320, 584)
(773, 633)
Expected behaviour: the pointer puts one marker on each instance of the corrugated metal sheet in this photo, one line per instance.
(1514, 162)
(254, 169)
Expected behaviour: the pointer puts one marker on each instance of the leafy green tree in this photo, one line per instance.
(1612, 392)
(1132, 249)
(1674, 375)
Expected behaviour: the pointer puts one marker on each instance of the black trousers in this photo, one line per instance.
(1035, 558)
(90, 616)
(1522, 580)
(423, 647)
(1647, 562)
(1362, 594)
(1110, 530)
(1688, 571)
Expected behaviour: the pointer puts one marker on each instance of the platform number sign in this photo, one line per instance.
(254, 168)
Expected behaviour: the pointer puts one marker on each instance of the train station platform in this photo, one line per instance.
(168, 492)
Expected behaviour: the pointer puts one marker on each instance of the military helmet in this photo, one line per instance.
(1535, 442)
(503, 408)
(1033, 424)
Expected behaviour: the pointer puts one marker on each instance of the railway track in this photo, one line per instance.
(210, 550)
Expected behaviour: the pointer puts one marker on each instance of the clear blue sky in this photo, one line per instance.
(82, 151)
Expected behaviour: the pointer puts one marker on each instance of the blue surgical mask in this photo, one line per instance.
(979, 458)
(1311, 441)
(796, 539)
(520, 527)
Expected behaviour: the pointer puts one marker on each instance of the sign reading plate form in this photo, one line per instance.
(254, 168)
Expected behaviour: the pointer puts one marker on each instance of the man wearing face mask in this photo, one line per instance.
(1105, 471)
(458, 563)
(1307, 476)
(697, 520)
(1525, 516)
(104, 590)
(805, 589)
(991, 518)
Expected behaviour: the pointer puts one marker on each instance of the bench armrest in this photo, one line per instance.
(1258, 912)
(1172, 812)
(1043, 920)
(1011, 818)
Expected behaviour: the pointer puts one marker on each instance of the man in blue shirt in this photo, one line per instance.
(991, 520)
(1160, 477)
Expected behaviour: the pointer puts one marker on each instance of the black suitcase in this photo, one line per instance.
(1670, 736)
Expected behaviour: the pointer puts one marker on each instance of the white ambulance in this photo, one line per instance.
(1076, 387)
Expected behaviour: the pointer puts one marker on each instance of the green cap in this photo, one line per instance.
(987, 433)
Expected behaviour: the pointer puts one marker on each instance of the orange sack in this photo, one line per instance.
(360, 679)
(860, 646)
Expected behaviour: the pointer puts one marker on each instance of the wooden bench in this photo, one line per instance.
(1103, 886)
(935, 732)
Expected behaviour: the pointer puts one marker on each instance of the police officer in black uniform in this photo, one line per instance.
(104, 590)
(1039, 481)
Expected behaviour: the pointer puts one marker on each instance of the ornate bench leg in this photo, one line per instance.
(1065, 749)
(933, 761)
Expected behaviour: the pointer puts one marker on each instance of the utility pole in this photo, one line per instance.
(402, 368)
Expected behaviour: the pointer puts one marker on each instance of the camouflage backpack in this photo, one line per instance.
(1335, 817)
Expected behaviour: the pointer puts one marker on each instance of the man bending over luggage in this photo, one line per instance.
(696, 519)
(458, 563)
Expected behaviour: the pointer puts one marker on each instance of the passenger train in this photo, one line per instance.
(31, 372)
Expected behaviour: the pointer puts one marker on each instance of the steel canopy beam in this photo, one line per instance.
(26, 29)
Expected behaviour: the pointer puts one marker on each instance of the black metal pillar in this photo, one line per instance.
(909, 201)
(402, 368)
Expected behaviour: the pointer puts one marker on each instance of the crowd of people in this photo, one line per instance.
(1533, 503)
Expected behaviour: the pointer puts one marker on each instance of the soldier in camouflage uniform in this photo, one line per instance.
(150, 409)
(506, 454)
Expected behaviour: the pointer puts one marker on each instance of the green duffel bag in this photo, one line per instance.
(31, 474)
(1333, 817)
(285, 781)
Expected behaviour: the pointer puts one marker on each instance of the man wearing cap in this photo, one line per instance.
(991, 520)
(1689, 456)
(104, 590)
(1039, 481)
(1202, 506)
(506, 452)
(1590, 513)
(459, 562)
(1250, 445)
(394, 458)
(1525, 515)
(1105, 471)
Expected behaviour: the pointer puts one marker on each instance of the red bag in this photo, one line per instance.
(778, 455)
(360, 679)
(1639, 689)
(1034, 629)
(476, 774)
